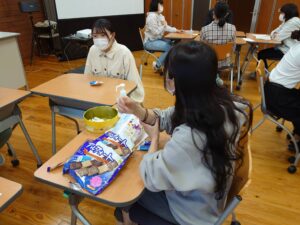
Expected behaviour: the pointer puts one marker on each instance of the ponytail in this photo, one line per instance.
(222, 22)
(296, 35)
(221, 12)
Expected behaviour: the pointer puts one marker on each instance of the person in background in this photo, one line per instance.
(219, 31)
(109, 58)
(289, 16)
(210, 15)
(187, 181)
(282, 97)
(156, 26)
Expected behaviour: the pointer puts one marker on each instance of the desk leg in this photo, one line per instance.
(238, 63)
(53, 130)
(74, 201)
(33, 149)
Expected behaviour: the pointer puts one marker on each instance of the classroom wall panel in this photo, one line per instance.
(12, 20)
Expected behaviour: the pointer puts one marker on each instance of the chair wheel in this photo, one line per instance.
(291, 159)
(235, 223)
(38, 165)
(9, 151)
(15, 162)
(288, 137)
(279, 129)
(145, 64)
(238, 88)
(292, 169)
(240, 82)
(161, 73)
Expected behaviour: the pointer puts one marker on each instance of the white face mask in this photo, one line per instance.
(101, 43)
(281, 17)
(160, 8)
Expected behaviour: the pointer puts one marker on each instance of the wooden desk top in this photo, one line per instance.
(8, 96)
(240, 34)
(185, 35)
(260, 41)
(77, 87)
(240, 41)
(124, 190)
(9, 191)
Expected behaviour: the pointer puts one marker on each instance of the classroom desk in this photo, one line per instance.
(240, 34)
(185, 35)
(71, 94)
(9, 191)
(10, 114)
(123, 191)
(254, 44)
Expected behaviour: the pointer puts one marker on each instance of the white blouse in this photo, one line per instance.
(287, 72)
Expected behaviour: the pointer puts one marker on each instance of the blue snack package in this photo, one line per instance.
(144, 146)
(96, 163)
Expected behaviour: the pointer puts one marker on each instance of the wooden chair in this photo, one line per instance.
(240, 183)
(267, 115)
(225, 52)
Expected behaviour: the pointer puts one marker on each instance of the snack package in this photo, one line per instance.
(96, 163)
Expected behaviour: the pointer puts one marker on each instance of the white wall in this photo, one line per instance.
(67, 9)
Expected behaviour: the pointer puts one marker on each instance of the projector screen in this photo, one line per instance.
(69, 9)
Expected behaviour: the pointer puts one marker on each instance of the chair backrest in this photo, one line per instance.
(142, 34)
(261, 77)
(242, 177)
(223, 51)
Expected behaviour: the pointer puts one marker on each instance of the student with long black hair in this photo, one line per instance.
(289, 16)
(187, 181)
(282, 98)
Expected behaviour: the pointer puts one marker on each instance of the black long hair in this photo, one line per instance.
(221, 11)
(205, 107)
(290, 10)
(154, 5)
(296, 35)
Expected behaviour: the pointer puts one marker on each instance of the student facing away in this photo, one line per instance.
(210, 15)
(187, 181)
(282, 98)
(109, 58)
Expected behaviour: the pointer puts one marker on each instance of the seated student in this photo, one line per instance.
(187, 181)
(109, 58)
(210, 15)
(156, 26)
(219, 31)
(282, 98)
(289, 16)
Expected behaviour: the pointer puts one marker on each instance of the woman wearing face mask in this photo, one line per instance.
(187, 181)
(156, 26)
(109, 58)
(289, 16)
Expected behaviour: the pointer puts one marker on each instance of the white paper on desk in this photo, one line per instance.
(248, 39)
(262, 37)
